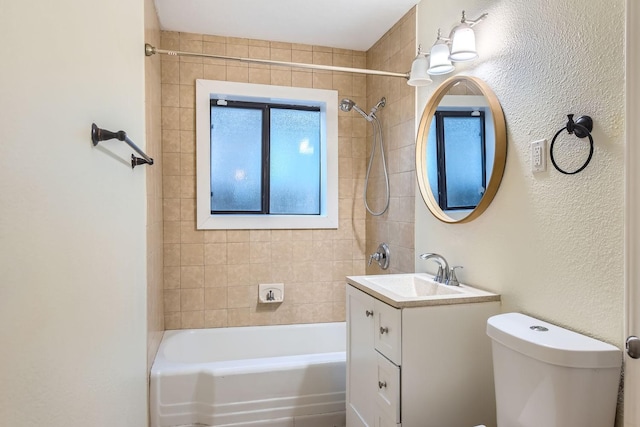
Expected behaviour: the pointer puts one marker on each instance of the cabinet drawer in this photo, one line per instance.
(388, 395)
(388, 331)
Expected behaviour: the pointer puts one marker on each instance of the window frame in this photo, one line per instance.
(325, 100)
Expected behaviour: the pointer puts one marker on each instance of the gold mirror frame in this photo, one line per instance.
(500, 148)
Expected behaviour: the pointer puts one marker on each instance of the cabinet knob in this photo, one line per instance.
(369, 313)
(384, 330)
(382, 384)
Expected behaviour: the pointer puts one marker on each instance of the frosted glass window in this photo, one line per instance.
(236, 159)
(265, 159)
(463, 161)
(460, 157)
(295, 162)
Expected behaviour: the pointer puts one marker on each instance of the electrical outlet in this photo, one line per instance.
(539, 156)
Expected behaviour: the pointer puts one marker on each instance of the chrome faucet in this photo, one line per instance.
(443, 266)
(445, 274)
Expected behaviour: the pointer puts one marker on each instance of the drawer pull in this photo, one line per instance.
(384, 330)
(382, 384)
(369, 313)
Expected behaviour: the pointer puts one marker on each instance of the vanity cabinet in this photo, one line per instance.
(418, 366)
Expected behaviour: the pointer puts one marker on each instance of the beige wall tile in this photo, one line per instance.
(171, 277)
(215, 298)
(215, 275)
(171, 209)
(239, 317)
(192, 319)
(212, 275)
(215, 318)
(192, 277)
(170, 141)
(192, 254)
(215, 253)
(172, 320)
(191, 299)
(171, 95)
(238, 274)
(171, 300)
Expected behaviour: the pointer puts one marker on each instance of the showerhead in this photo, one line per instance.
(347, 105)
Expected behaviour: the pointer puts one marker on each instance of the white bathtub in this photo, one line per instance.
(275, 376)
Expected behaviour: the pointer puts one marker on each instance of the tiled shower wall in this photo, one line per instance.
(395, 52)
(211, 277)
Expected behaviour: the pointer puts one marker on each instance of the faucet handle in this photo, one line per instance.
(453, 280)
(439, 277)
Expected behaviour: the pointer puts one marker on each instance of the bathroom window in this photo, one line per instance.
(266, 156)
(461, 158)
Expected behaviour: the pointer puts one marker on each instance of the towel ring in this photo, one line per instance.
(581, 128)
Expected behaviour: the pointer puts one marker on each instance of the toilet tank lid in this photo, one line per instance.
(554, 345)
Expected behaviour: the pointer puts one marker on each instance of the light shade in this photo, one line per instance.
(419, 75)
(439, 61)
(463, 45)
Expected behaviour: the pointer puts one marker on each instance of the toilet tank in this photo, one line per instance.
(547, 376)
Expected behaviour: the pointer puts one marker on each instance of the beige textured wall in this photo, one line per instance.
(211, 277)
(551, 244)
(393, 52)
(155, 267)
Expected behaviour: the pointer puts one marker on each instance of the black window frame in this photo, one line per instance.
(440, 115)
(265, 108)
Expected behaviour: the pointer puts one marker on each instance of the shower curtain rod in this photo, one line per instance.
(151, 50)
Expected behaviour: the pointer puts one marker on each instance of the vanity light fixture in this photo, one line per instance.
(440, 62)
(462, 41)
(463, 44)
(419, 76)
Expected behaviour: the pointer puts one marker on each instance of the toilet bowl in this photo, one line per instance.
(549, 376)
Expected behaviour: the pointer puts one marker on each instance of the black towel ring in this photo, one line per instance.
(581, 128)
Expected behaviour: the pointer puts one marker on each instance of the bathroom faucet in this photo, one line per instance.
(443, 267)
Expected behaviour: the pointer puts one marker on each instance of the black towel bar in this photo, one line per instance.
(98, 135)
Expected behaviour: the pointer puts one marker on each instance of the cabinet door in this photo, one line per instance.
(361, 359)
(388, 333)
(388, 393)
(381, 421)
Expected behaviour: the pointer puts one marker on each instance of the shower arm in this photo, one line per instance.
(151, 50)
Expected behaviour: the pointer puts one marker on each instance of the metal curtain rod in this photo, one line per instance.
(150, 50)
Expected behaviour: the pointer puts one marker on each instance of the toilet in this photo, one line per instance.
(547, 376)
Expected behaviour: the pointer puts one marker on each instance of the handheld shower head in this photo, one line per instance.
(347, 105)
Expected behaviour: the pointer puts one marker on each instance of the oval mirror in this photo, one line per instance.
(461, 149)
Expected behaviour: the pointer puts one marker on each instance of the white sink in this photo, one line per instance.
(417, 289)
(413, 285)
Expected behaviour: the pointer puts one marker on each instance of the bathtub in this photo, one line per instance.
(267, 376)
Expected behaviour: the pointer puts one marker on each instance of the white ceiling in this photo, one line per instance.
(347, 24)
